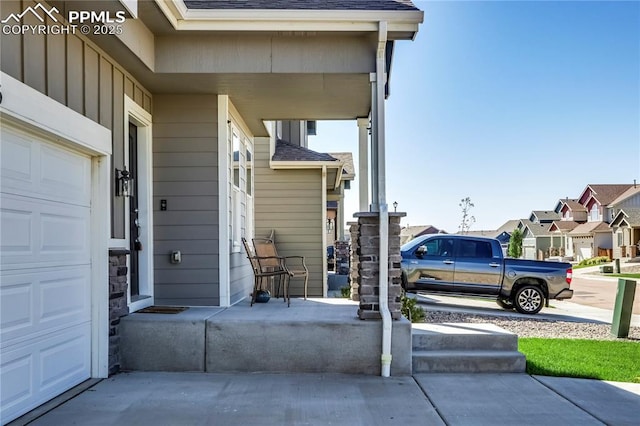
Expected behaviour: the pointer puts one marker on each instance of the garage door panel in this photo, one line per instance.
(34, 373)
(34, 168)
(17, 163)
(65, 175)
(41, 302)
(42, 233)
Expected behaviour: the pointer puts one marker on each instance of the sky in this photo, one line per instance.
(513, 104)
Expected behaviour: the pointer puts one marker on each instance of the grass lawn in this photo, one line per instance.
(590, 359)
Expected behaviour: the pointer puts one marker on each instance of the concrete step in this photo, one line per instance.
(465, 348)
(474, 361)
(462, 336)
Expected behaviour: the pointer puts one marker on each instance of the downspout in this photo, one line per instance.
(324, 232)
(385, 357)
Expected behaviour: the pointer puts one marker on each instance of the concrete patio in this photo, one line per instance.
(311, 336)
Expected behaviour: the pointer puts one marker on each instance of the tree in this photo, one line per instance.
(467, 220)
(515, 244)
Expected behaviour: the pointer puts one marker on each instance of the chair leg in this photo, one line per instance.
(256, 281)
(306, 280)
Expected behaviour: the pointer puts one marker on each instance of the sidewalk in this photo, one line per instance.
(156, 399)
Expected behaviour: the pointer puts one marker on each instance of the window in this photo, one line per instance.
(441, 247)
(241, 188)
(476, 249)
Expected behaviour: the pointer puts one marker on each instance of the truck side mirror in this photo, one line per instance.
(421, 251)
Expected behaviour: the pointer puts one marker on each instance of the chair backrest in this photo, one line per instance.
(266, 249)
(250, 255)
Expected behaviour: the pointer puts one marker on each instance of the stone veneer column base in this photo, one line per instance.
(117, 303)
(366, 248)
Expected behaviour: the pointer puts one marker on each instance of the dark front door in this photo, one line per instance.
(134, 224)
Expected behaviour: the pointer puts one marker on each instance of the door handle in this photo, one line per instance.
(448, 262)
(494, 265)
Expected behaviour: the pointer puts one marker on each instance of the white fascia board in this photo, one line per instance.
(131, 6)
(39, 112)
(276, 165)
(287, 20)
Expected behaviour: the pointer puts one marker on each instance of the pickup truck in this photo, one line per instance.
(474, 266)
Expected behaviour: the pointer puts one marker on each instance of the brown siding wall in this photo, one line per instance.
(290, 202)
(185, 173)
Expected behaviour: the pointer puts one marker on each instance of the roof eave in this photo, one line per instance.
(401, 24)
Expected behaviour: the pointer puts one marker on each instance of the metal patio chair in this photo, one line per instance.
(260, 272)
(295, 266)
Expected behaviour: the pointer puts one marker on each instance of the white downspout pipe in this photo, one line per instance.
(381, 201)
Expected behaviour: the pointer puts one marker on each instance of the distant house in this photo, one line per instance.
(560, 238)
(594, 237)
(625, 224)
(408, 233)
(571, 210)
(502, 234)
(335, 196)
(536, 239)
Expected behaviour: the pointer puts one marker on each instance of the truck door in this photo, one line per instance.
(478, 270)
(431, 265)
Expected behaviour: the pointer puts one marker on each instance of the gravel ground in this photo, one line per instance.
(525, 327)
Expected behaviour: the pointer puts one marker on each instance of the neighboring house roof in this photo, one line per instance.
(545, 215)
(631, 216)
(302, 4)
(535, 229)
(408, 233)
(346, 158)
(508, 226)
(589, 228)
(634, 190)
(286, 151)
(605, 193)
(575, 206)
(563, 226)
(482, 233)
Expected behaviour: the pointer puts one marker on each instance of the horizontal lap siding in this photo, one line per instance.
(290, 202)
(185, 174)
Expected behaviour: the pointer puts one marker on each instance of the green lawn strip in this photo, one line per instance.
(590, 359)
(632, 276)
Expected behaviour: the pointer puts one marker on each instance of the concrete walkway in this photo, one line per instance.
(145, 398)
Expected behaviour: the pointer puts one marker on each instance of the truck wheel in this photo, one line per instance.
(505, 304)
(529, 300)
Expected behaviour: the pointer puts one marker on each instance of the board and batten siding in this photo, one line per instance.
(75, 72)
(185, 174)
(290, 202)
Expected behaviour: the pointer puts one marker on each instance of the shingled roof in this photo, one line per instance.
(390, 5)
(347, 160)
(606, 193)
(587, 229)
(286, 151)
(630, 215)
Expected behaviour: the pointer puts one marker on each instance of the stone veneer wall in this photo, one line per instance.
(354, 228)
(117, 303)
(367, 252)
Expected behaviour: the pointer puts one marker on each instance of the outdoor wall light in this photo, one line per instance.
(395, 206)
(123, 182)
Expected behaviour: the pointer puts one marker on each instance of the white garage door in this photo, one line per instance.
(45, 317)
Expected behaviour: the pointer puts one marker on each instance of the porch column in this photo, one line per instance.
(363, 159)
(367, 262)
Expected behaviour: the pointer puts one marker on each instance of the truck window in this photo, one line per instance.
(440, 247)
(475, 249)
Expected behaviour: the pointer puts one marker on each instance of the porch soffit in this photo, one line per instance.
(313, 89)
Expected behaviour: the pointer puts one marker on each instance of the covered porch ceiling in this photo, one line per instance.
(268, 74)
